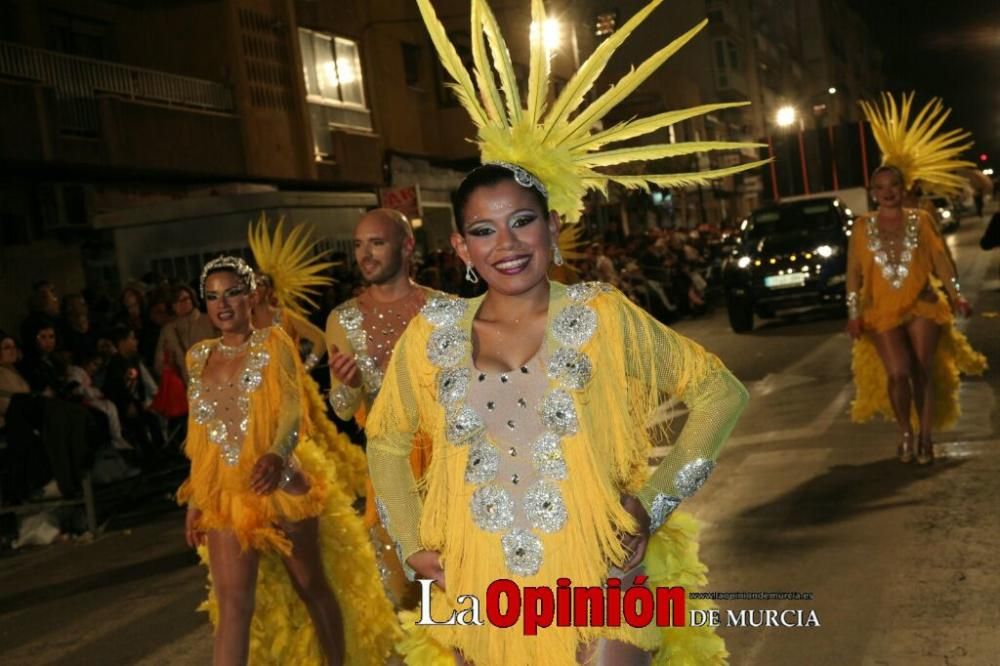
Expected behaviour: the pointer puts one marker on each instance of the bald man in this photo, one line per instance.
(361, 334)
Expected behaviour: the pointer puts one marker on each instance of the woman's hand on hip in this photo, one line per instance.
(266, 474)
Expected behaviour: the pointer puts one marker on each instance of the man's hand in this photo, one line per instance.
(344, 368)
(427, 564)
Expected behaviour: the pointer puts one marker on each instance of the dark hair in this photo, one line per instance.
(891, 169)
(119, 333)
(4, 335)
(487, 175)
(175, 293)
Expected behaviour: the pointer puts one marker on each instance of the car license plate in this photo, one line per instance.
(784, 281)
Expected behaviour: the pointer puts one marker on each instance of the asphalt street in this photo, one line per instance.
(900, 560)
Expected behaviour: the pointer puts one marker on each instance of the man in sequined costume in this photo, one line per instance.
(361, 334)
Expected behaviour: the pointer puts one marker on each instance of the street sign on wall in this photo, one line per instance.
(404, 199)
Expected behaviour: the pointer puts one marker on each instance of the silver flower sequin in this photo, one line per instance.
(202, 412)
(584, 291)
(692, 476)
(231, 454)
(463, 424)
(217, 431)
(663, 505)
(351, 318)
(446, 347)
(574, 325)
(251, 379)
(547, 455)
(452, 386)
(484, 460)
(544, 507)
(570, 368)
(492, 508)
(200, 352)
(558, 413)
(443, 311)
(522, 551)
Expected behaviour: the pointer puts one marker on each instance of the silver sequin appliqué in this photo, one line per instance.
(544, 507)
(493, 508)
(522, 551)
(692, 476)
(663, 505)
(483, 462)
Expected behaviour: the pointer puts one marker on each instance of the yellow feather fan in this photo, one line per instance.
(555, 142)
(297, 273)
(918, 148)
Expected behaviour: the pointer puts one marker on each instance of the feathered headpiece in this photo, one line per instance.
(555, 142)
(918, 148)
(296, 273)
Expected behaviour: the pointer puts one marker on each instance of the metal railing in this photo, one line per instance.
(78, 82)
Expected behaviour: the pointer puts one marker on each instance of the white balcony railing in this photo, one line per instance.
(78, 82)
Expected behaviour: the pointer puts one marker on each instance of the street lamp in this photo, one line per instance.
(832, 90)
(551, 33)
(786, 116)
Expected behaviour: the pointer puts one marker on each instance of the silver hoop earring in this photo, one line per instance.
(556, 255)
(470, 274)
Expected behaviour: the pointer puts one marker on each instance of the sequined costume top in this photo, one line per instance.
(529, 466)
(230, 426)
(368, 330)
(891, 273)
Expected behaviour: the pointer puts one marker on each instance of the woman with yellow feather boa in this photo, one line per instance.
(902, 285)
(537, 395)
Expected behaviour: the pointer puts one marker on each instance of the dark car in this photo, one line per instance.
(791, 257)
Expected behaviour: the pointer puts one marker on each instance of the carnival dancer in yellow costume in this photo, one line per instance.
(361, 334)
(284, 544)
(536, 395)
(902, 285)
(290, 274)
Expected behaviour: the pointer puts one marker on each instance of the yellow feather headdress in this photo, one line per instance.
(555, 142)
(918, 148)
(296, 272)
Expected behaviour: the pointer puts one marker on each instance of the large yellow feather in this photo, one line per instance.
(538, 71)
(290, 260)
(494, 106)
(452, 63)
(642, 126)
(646, 153)
(501, 61)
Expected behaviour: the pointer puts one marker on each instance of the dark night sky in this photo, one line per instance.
(944, 48)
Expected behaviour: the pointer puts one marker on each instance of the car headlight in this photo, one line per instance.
(945, 214)
(826, 251)
(743, 262)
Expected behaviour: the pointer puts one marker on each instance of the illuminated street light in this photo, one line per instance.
(551, 34)
(987, 172)
(786, 116)
(832, 90)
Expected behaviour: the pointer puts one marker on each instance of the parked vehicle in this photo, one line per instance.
(946, 214)
(791, 258)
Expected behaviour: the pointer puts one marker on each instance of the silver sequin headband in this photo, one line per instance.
(234, 264)
(522, 176)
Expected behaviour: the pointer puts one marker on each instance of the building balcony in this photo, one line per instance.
(86, 111)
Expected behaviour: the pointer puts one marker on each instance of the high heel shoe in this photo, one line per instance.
(925, 452)
(905, 449)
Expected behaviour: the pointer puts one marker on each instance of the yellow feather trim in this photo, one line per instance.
(916, 148)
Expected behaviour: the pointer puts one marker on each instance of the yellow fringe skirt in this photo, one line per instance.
(348, 458)
(671, 561)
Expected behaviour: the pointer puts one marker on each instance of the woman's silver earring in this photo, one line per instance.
(556, 255)
(470, 274)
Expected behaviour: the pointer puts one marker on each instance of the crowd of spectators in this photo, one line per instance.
(77, 386)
